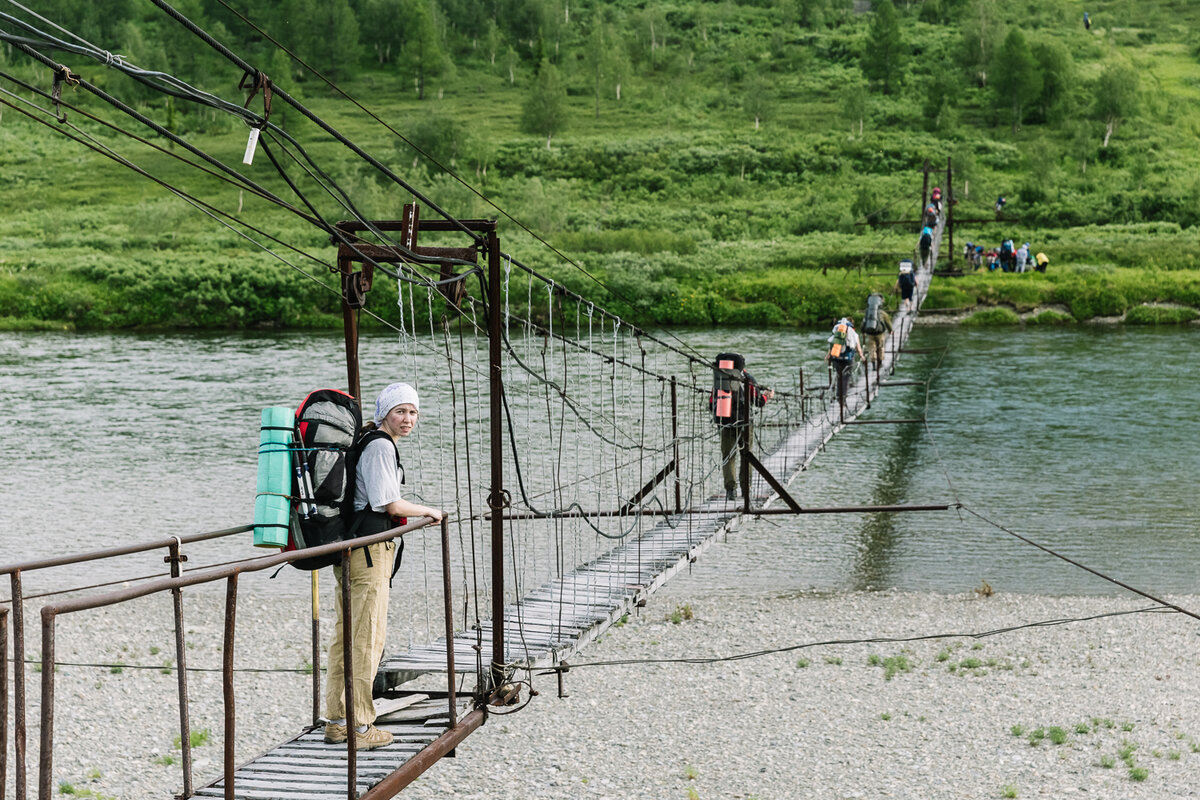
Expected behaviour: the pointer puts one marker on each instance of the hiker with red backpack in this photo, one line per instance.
(379, 505)
(734, 393)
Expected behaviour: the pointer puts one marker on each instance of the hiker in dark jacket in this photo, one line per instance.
(732, 384)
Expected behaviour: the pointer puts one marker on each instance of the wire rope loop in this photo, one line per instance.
(499, 500)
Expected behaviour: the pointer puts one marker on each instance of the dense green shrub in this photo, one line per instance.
(993, 316)
(1160, 315)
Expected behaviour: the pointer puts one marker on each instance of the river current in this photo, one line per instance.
(1083, 440)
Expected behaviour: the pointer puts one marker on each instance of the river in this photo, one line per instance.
(1082, 439)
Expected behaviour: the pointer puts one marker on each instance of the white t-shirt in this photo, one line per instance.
(377, 481)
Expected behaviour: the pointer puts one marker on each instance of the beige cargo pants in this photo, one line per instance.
(369, 591)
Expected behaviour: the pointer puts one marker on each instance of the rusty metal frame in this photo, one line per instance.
(175, 585)
(17, 600)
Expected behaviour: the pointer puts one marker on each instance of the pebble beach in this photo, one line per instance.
(1099, 708)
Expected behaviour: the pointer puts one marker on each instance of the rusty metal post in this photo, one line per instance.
(496, 494)
(3, 701)
(744, 447)
(450, 675)
(227, 682)
(925, 188)
(316, 647)
(675, 444)
(46, 754)
(350, 328)
(348, 681)
(185, 725)
(803, 399)
(18, 607)
(950, 209)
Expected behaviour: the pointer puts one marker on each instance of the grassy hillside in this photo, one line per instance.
(729, 184)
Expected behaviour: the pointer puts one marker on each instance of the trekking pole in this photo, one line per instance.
(316, 650)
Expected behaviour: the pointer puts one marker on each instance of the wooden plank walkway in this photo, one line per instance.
(306, 768)
(552, 623)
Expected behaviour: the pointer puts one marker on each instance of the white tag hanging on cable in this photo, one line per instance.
(251, 146)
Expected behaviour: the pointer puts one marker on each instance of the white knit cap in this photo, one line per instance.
(394, 395)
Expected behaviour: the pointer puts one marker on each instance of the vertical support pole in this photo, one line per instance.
(950, 208)
(449, 608)
(315, 587)
(18, 607)
(185, 725)
(3, 701)
(744, 447)
(227, 683)
(803, 399)
(348, 680)
(46, 755)
(350, 327)
(925, 188)
(675, 444)
(496, 496)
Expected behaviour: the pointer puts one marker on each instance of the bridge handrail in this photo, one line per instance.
(175, 585)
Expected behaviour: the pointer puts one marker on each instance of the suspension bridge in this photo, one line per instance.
(575, 453)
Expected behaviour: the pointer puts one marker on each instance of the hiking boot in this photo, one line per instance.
(371, 738)
(334, 733)
(731, 494)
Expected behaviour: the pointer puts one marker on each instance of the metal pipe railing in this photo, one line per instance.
(17, 600)
(176, 584)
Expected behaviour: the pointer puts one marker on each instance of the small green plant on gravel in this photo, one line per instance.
(1057, 735)
(1126, 752)
(165, 760)
(197, 738)
(692, 794)
(892, 665)
(117, 668)
(1017, 730)
(977, 646)
(155, 651)
(885, 716)
(1036, 736)
(690, 772)
(167, 667)
(835, 660)
(1008, 790)
(65, 788)
(307, 667)
(1082, 727)
(1174, 755)
(1127, 726)
(93, 774)
(622, 622)
(1138, 774)
(1108, 762)
(801, 663)
(943, 655)
(1101, 722)
(681, 613)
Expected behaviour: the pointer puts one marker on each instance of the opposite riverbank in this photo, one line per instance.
(1099, 708)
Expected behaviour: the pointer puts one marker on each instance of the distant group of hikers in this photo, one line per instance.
(1007, 257)
(929, 221)
(735, 392)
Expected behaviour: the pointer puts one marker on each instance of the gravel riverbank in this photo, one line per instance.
(1105, 708)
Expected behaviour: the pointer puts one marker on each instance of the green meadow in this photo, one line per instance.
(681, 163)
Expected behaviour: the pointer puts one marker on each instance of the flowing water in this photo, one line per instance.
(1083, 440)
